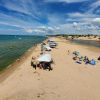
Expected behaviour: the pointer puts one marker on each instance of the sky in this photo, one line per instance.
(42, 17)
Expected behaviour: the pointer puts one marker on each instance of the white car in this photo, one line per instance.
(47, 48)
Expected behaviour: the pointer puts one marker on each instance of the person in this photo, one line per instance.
(87, 61)
(33, 62)
(48, 65)
(41, 65)
(75, 58)
(68, 52)
(85, 58)
(99, 58)
(81, 58)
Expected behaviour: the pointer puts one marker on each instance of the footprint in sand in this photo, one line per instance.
(40, 94)
(37, 75)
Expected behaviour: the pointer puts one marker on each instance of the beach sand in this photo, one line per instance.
(67, 81)
(93, 38)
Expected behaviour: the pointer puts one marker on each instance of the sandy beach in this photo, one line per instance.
(67, 81)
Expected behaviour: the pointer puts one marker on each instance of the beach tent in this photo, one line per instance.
(45, 58)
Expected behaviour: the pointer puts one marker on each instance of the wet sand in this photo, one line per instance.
(67, 81)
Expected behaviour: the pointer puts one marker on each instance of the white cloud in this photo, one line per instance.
(34, 30)
(95, 4)
(75, 24)
(27, 7)
(29, 30)
(79, 15)
(13, 21)
(96, 20)
(93, 7)
(79, 22)
(5, 23)
(43, 30)
(67, 1)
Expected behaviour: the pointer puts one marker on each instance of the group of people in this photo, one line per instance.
(79, 59)
(42, 65)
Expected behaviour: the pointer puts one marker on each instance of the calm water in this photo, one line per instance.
(12, 47)
(87, 42)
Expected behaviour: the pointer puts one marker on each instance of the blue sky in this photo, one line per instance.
(49, 17)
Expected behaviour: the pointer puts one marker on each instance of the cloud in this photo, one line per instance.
(43, 30)
(96, 20)
(75, 24)
(50, 16)
(95, 4)
(67, 1)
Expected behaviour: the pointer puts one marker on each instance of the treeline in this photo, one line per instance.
(72, 36)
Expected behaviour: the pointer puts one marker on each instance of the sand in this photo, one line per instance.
(93, 38)
(67, 80)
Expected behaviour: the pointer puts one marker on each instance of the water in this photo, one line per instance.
(87, 42)
(12, 47)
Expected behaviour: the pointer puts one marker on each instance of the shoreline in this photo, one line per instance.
(17, 63)
(12, 67)
(30, 84)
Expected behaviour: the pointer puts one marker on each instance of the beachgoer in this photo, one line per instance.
(33, 62)
(41, 65)
(99, 58)
(48, 65)
(68, 52)
(75, 58)
(87, 61)
(85, 58)
(81, 58)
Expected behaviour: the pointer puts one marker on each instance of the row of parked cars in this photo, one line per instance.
(51, 44)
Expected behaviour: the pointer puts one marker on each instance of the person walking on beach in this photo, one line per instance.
(68, 52)
(33, 62)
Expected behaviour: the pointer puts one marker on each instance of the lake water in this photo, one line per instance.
(12, 47)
